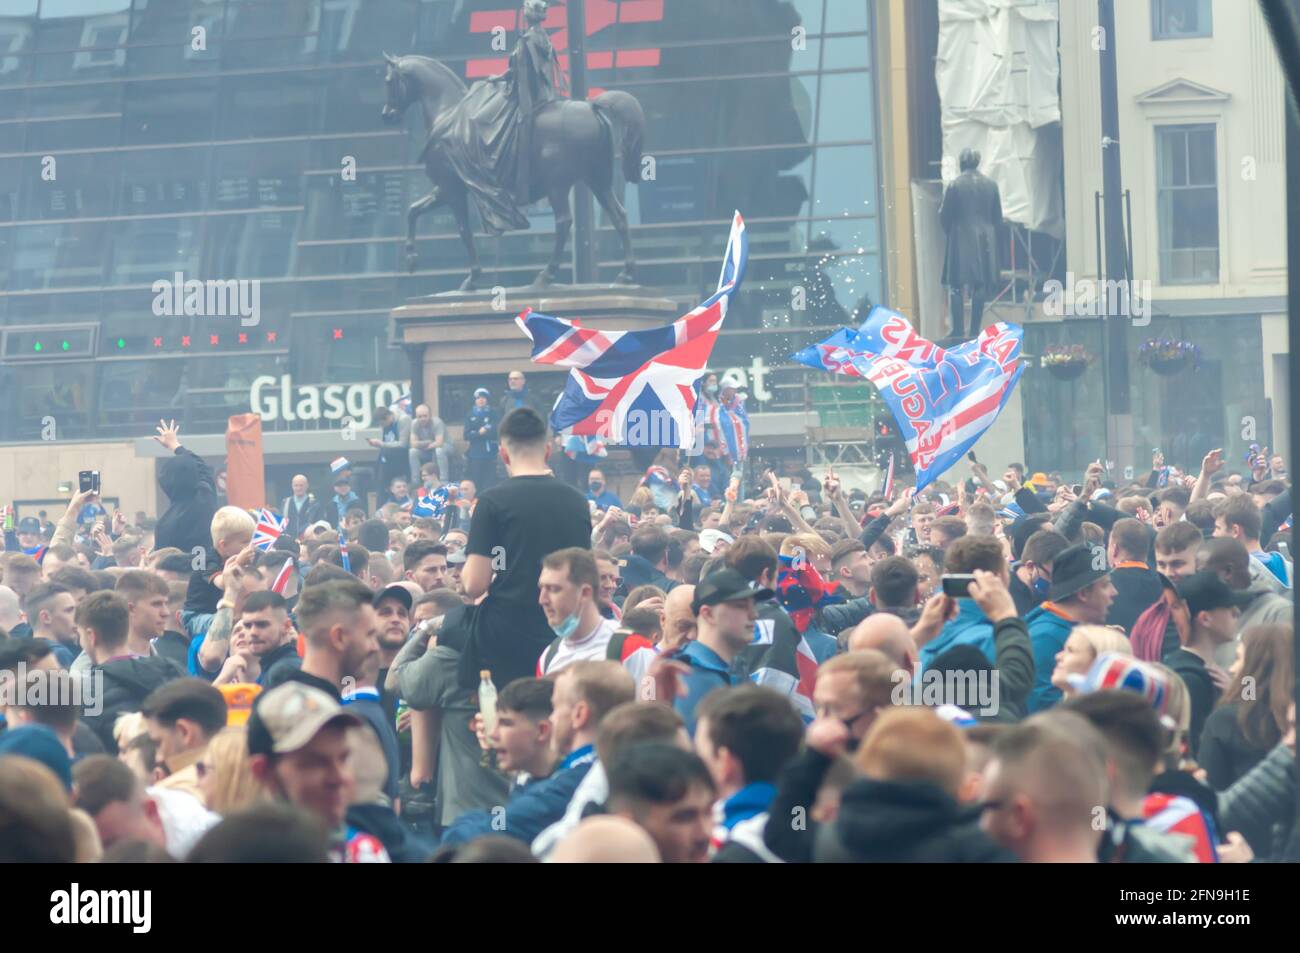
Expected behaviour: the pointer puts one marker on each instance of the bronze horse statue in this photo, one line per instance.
(571, 142)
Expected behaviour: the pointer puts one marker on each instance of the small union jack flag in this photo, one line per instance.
(343, 552)
(268, 529)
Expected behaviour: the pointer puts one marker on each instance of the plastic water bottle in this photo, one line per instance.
(487, 701)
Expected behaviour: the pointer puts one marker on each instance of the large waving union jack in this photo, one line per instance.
(637, 388)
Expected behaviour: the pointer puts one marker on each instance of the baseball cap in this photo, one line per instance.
(318, 525)
(29, 524)
(710, 538)
(456, 557)
(726, 585)
(482, 392)
(398, 592)
(290, 715)
(1204, 591)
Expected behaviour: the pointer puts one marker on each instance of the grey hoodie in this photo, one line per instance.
(1266, 607)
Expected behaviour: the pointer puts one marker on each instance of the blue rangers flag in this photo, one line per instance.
(637, 388)
(432, 504)
(943, 400)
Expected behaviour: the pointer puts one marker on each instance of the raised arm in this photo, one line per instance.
(1211, 465)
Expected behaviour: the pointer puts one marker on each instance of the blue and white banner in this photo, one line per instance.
(943, 400)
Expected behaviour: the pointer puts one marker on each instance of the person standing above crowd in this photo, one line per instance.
(515, 525)
(299, 509)
(428, 445)
(481, 435)
(393, 443)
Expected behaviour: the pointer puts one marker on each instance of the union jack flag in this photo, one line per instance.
(637, 388)
(780, 658)
(268, 529)
(343, 552)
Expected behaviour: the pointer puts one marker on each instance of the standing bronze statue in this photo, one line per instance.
(511, 140)
(970, 214)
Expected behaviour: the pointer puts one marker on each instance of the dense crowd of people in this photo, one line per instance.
(484, 661)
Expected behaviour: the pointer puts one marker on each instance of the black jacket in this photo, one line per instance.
(192, 489)
(903, 822)
(1025, 598)
(297, 520)
(403, 845)
(1136, 590)
(1224, 752)
(639, 572)
(1202, 693)
(126, 684)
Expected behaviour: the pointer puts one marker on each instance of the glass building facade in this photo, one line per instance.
(148, 141)
(1184, 414)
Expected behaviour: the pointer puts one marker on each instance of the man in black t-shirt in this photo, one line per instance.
(516, 524)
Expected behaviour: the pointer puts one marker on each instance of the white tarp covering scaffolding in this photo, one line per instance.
(997, 72)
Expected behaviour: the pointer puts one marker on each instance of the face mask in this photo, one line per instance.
(595, 486)
(567, 627)
(1041, 587)
(711, 390)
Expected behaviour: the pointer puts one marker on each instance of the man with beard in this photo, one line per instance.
(270, 635)
(338, 618)
(393, 606)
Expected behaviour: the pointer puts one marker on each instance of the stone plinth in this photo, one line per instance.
(459, 333)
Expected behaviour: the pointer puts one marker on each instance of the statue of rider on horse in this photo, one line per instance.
(512, 139)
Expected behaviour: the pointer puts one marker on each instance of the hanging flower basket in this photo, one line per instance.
(1066, 362)
(1168, 357)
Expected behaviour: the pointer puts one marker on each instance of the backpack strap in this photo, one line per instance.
(614, 651)
(549, 655)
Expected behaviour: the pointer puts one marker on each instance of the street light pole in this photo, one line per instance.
(1281, 16)
(1119, 437)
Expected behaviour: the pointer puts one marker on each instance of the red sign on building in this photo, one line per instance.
(601, 14)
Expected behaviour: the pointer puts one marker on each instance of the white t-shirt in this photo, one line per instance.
(589, 648)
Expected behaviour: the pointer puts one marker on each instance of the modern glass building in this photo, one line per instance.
(145, 143)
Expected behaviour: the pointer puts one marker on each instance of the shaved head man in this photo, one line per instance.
(606, 839)
(300, 485)
(1043, 787)
(888, 634)
(676, 621)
